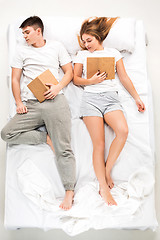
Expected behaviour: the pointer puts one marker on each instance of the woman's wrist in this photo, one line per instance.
(136, 97)
(89, 81)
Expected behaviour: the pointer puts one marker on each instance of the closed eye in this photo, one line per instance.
(26, 32)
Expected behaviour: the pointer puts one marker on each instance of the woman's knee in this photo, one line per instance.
(123, 132)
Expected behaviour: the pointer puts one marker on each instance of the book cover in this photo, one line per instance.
(103, 64)
(38, 87)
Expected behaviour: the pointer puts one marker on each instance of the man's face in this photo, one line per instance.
(31, 35)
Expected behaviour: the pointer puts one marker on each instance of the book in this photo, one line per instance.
(102, 64)
(38, 87)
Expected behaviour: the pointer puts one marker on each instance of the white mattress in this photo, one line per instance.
(33, 186)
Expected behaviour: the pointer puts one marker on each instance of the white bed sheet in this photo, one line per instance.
(34, 188)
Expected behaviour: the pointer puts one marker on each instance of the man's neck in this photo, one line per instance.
(40, 43)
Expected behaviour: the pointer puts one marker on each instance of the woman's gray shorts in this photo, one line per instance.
(98, 104)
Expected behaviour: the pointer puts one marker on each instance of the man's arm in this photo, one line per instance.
(68, 75)
(16, 76)
(55, 89)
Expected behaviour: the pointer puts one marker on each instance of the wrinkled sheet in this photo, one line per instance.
(33, 186)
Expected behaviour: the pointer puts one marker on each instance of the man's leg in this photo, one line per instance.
(56, 115)
(21, 128)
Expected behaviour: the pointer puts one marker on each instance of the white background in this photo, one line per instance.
(148, 11)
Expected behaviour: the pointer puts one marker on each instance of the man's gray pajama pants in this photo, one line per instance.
(55, 115)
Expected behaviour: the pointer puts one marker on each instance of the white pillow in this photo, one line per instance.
(65, 30)
(122, 35)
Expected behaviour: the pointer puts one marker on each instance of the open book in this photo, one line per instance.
(102, 64)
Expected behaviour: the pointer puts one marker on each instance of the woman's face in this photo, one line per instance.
(91, 43)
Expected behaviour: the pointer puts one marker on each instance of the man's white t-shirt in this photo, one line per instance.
(34, 61)
(106, 85)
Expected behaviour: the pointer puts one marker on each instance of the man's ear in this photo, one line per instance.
(39, 31)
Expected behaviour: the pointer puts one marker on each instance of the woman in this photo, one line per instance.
(100, 101)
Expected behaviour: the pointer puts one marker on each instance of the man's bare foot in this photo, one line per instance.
(106, 195)
(109, 181)
(67, 201)
(49, 142)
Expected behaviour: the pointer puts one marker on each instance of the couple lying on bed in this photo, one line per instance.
(99, 104)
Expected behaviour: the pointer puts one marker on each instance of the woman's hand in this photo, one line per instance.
(97, 78)
(140, 105)
(21, 108)
(52, 92)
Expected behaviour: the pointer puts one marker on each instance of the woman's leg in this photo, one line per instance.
(117, 122)
(95, 126)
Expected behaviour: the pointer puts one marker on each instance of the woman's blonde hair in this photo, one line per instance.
(97, 27)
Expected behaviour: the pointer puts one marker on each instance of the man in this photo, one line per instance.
(30, 60)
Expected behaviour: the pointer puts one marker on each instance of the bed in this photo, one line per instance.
(33, 186)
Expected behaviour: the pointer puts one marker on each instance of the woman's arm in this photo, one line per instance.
(127, 83)
(78, 80)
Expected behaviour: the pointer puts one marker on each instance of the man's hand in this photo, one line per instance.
(52, 92)
(21, 108)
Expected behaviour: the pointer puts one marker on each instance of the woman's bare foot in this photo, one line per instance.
(67, 201)
(106, 195)
(109, 180)
(49, 142)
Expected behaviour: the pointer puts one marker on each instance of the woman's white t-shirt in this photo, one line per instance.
(106, 85)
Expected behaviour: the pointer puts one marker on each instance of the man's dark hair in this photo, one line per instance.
(35, 22)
